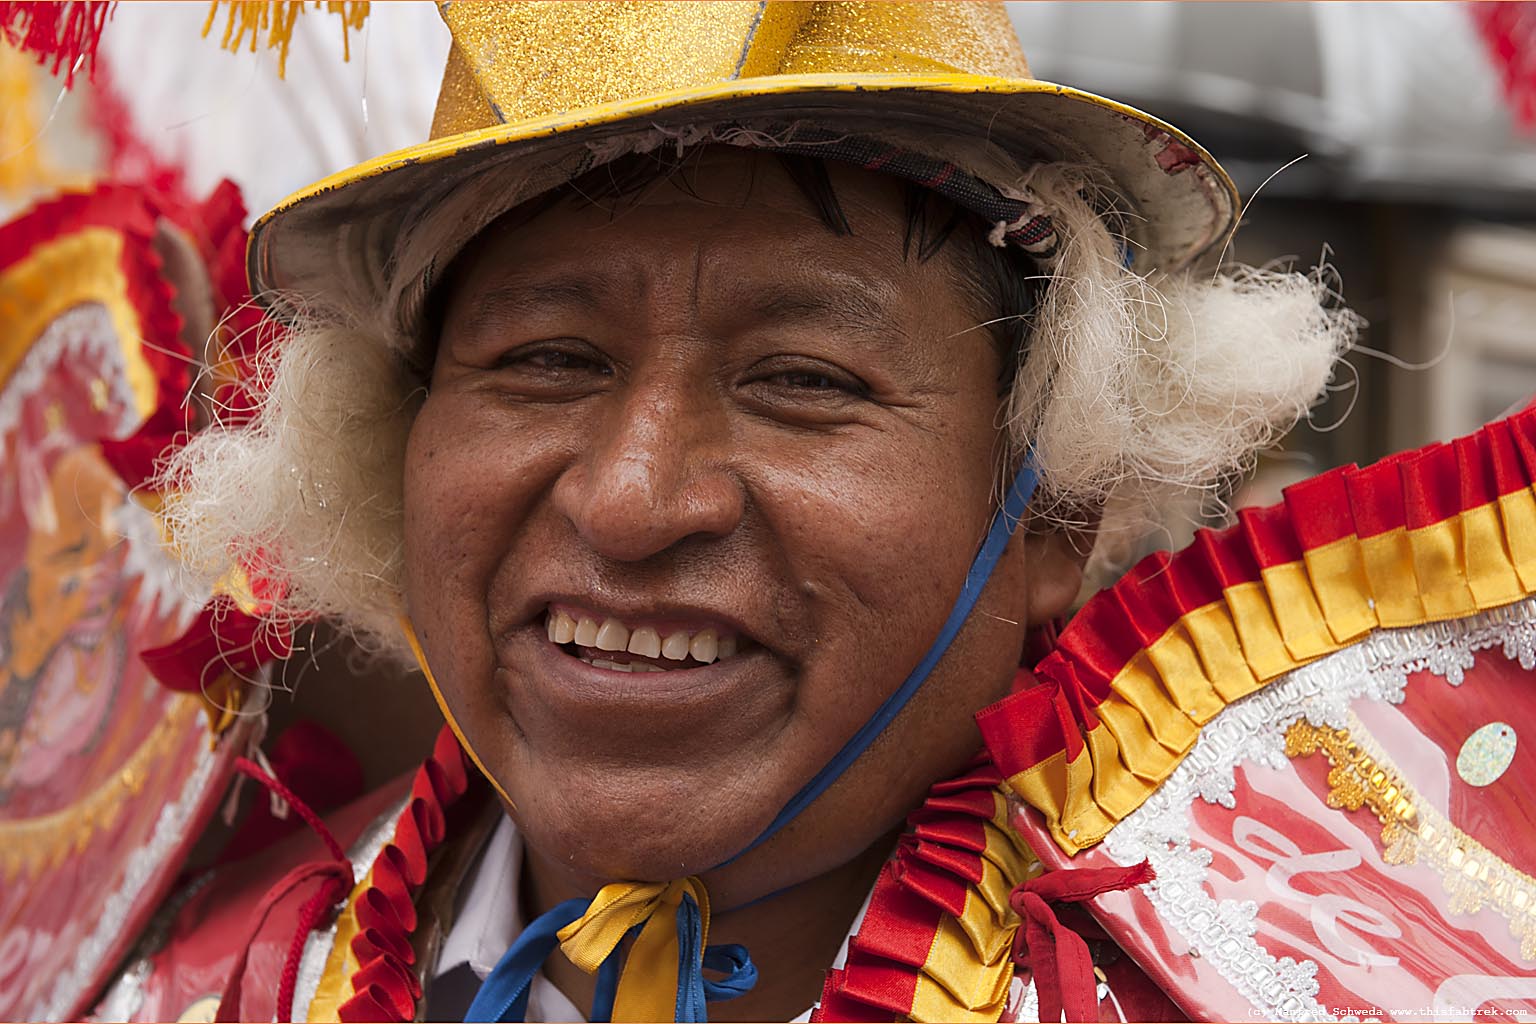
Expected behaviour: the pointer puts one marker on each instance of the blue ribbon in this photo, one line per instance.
(503, 996)
(690, 962)
(732, 960)
(504, 993)
(1004, 522)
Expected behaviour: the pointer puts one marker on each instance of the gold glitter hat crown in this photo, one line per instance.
(537, 92)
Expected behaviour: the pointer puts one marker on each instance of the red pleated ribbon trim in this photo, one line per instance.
(937, 862)
(385, 986)
(1314, 538)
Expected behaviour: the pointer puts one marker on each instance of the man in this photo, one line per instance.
(712, 410)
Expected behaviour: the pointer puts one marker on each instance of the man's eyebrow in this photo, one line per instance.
(518, 298)
(852, 307)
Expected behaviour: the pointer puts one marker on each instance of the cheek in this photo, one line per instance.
(879, 545)
(467, 486)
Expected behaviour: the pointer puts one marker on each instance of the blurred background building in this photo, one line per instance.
(1415, 181)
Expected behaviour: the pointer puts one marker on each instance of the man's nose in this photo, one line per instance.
(655, 474)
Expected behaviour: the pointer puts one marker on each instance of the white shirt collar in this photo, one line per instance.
(489, 919)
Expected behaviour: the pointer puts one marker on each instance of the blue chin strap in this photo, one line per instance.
(1004, 522)
(504, 995)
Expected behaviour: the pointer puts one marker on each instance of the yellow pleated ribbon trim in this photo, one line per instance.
(969, 968)
(1281, 617)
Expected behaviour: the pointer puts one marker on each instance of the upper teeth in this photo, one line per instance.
(612, 635)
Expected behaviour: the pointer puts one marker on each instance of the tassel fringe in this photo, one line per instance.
(246, 20)
(58, 35)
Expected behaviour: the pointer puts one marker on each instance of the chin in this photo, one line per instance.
(626, 830)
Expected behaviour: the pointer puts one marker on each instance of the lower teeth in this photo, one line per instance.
(633, 666)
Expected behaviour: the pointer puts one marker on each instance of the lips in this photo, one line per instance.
(610, 687)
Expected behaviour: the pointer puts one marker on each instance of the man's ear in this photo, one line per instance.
(1054, 556)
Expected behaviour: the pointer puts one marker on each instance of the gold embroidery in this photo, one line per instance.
(1413, 832)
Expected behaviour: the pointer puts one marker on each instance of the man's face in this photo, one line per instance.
(701, 420)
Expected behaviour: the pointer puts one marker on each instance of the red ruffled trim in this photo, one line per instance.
(131, 214)
(937, 861)
(385, 985)
(1410, 490)
(224, 641)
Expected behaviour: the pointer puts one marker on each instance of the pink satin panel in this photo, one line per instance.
(1384, 939)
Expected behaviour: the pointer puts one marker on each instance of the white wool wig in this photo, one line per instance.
(1135, 391)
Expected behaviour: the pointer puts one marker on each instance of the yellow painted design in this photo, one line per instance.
(1413, 831)
(78, 269)
(203, 1010)
(1482, 558)
(32, 845)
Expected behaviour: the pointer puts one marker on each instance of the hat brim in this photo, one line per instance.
(334, 243)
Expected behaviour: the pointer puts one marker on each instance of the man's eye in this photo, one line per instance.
(555, 360)
(813, 381)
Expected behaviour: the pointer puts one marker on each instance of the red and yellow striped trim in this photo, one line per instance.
(936, 941)
(1438, 533)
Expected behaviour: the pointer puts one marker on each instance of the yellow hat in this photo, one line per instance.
(537, 92)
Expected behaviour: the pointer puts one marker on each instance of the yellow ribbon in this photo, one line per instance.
(648, 986)
(442, 705)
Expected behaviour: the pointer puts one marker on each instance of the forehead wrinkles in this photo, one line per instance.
(732, 271)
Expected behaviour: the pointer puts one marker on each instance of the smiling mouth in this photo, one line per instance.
(609, 643)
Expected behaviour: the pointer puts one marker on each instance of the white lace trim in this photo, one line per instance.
(1253, 730)
(140, 867)
(84, 335)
